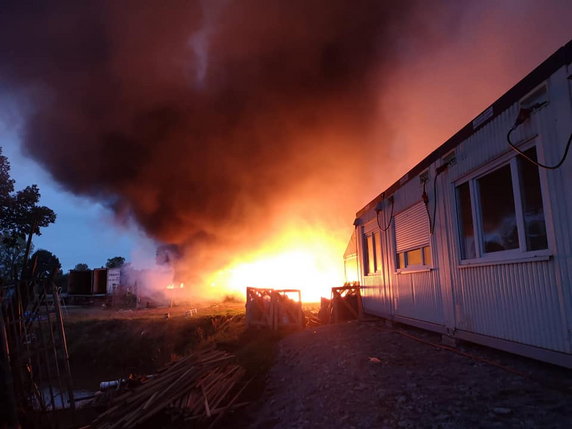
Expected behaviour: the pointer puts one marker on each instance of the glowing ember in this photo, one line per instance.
(309, 260)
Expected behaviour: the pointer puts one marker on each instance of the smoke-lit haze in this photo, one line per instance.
(218, 125)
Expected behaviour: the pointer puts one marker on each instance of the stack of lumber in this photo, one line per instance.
(274, 308)
(221, 323)
(288, 311)
(260, 308)
(346, 302)
(201, 386)
(312, 318)
(325, 313)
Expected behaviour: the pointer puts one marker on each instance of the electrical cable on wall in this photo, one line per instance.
(425, 197)
(523, 116)
(384, 229)
(439, 171)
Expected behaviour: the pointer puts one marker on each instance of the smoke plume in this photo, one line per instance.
(198, 119)
(210, 123)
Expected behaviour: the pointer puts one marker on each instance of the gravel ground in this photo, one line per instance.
(367, 375)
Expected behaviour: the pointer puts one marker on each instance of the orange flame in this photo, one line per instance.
(300, 258)
(172, 286)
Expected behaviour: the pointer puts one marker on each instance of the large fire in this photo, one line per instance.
(305, 259)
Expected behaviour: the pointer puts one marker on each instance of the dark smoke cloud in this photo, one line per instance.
(197, 119)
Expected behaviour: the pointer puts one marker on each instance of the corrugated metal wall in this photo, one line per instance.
(376, 287)
(525, 301)
(415, 295)
(522, 301)
(419, 296)
(516, 302)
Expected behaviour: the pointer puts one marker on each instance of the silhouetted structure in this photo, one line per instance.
(475, 241)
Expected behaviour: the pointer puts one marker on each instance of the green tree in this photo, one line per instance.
(24, 215)
(81, 267)
(20, 217)
(11, 259)
(115, 262)
(6, 184)
(45, 264)
(6, 189)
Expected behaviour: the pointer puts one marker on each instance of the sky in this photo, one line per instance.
(239, 123)
(84, 231)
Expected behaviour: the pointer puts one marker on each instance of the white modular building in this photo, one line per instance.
(475, 242)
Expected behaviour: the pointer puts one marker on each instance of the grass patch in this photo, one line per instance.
(106, 344)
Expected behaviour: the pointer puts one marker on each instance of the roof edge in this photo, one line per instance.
(562, 57)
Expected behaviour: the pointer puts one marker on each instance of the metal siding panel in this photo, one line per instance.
(484, 146)
(428, 296)
(376, 297)
(526, 302)
(520, 302)
(389, 268)
(556, 125)
(510, 301)
(445, 247)
(419, 296)
(404, 295)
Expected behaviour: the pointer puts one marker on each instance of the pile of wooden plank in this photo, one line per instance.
(274, 308)
(345, 304)
(202, 386)
(312, 318)
(288, 309)
(325, 313)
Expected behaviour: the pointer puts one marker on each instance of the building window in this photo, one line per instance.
(497, 211)
(378, 262)
(467, 231)
(416, 258)
(372, 262)
(501, 212)
(370, 240)
(412, 238)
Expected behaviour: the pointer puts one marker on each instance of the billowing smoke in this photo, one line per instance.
(200, 119)
(210, 123)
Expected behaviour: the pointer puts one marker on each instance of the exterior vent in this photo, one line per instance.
(450, 159)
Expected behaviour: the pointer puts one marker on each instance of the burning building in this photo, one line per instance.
(475, 241)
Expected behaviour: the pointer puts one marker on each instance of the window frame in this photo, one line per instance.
(407, 268)
(424, 266)
(377, 261)
(510, 255)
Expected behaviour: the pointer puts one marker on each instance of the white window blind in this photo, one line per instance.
(412, 228)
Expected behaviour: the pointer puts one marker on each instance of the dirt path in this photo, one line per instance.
(366, 375)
